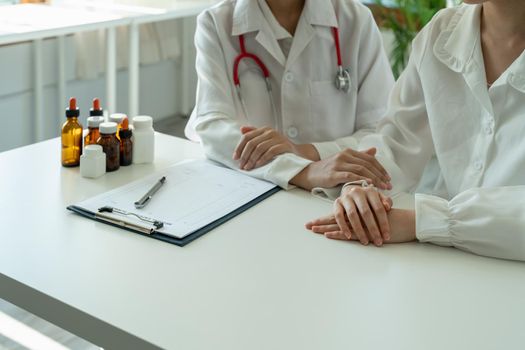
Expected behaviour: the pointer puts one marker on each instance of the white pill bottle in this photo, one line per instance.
(143, 140)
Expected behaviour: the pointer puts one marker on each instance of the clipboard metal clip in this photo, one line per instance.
(107, 209)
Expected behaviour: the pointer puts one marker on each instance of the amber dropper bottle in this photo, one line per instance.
(71, 136)
(95, 119)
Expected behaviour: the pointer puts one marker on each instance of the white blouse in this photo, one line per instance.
(442, 104)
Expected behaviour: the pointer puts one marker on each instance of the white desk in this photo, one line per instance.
(260, 281)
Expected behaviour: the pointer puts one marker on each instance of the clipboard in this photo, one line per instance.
(229, 193)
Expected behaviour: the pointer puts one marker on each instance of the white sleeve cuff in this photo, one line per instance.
(433, 220)
(326, 149)
(284, 168)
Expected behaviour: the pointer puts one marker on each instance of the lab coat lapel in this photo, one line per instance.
(315, 12)
(247, 18)
(303, 35)
(266, 39)
(458, 48)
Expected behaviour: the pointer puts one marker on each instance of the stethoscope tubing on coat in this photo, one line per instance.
(342, 78)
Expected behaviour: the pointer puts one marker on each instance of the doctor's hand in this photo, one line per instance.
(402, 222)
(343, 167)
(258, 146)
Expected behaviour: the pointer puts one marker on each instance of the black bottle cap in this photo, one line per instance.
(125, 133)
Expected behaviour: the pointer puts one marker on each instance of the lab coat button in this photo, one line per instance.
(478, 165)
(292, 132)
(288, 77)
(488, 129)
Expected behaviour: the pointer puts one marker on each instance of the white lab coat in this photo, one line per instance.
(310, 108)
(442, 104)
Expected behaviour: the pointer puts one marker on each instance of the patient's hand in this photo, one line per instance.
(402, 226)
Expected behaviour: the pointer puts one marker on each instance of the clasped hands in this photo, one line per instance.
(259, 146)
(361, 213)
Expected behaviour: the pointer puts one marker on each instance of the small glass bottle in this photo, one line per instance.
(93, 130)
(117, 118)
(110, 145)
(143, 140)
(126, 145)
(71, 136)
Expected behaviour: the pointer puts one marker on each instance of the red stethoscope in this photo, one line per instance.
(342, 77)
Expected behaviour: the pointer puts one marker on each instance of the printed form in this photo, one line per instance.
(195, 194)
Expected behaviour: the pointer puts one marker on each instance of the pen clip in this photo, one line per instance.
(142, 202)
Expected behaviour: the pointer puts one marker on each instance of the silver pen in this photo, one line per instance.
(141, 203)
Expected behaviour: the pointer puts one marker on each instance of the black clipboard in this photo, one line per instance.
(181, 242)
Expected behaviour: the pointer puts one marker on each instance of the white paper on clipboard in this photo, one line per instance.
(196, 193)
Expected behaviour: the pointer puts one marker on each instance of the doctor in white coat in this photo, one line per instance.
(461, 97)
(294, 126)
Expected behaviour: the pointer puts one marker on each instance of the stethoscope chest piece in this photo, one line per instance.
(342, 80)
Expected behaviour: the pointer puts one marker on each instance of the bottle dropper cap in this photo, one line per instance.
(125, 132)
(72, 111)
(96, 111)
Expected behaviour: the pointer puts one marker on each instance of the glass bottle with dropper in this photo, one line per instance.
(94, 121)
(71, 136)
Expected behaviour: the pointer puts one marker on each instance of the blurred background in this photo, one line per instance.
(50, 50)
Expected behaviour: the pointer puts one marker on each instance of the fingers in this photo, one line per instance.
(250, 147)
(371, 151)
(364, 168)
(248, 136)
(245, 129)
(376, 203)
(260, 149)
(372, 161)
(325, 220)
(367, 172)
(355, 220)
(387, 202)
(340, 218)
(339, 235)
(270, 154)
(367, 215)
(343, 177)
(325, 228)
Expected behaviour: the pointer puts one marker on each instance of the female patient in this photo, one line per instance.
(295, 129)
(462, 96)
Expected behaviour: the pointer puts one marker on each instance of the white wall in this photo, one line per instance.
(161, 87)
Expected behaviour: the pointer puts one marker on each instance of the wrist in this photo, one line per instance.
(302, 179)
(403, 225)
(307, 151)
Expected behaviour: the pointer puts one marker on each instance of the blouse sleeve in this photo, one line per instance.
(484, 221)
